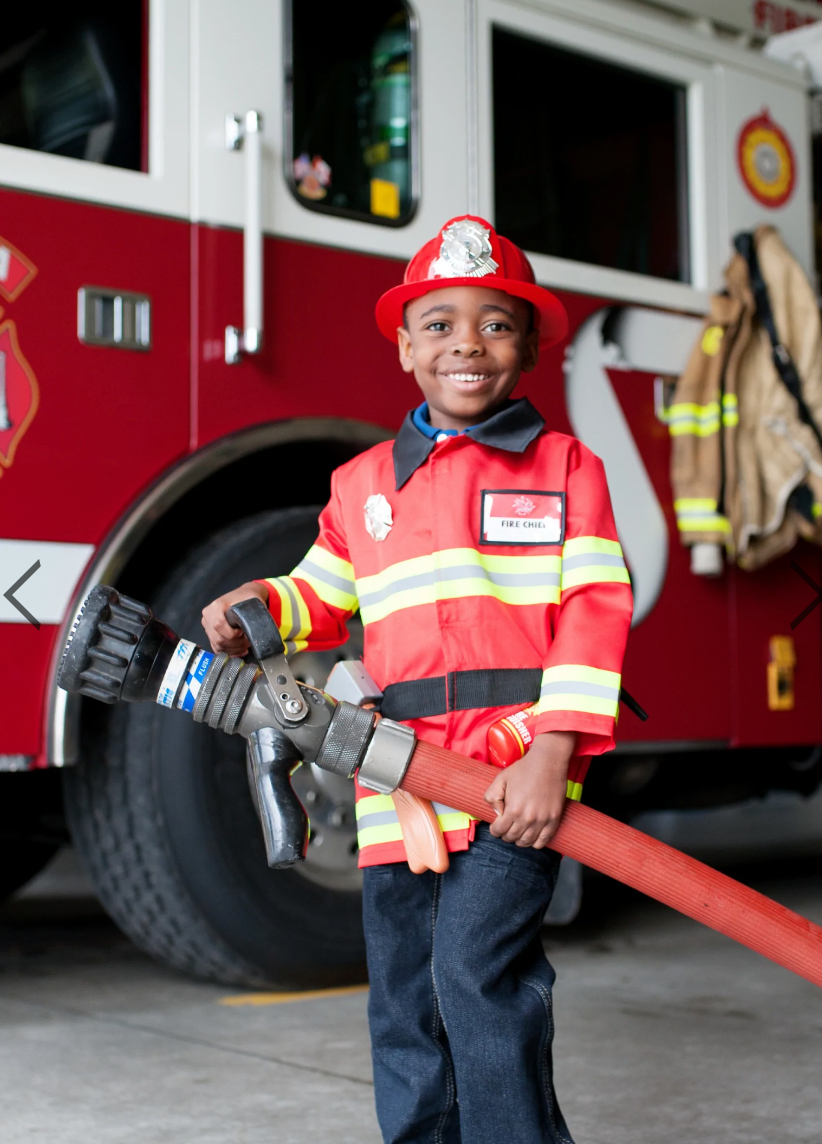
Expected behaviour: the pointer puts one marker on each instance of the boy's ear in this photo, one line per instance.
(530, 351)
(406, 350)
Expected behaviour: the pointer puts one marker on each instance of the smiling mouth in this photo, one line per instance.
(468, 377)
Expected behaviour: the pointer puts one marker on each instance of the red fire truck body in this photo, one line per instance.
(132, 442)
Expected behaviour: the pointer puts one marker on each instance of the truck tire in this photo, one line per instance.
(163, 816)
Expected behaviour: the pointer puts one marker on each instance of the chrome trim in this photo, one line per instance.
(247, 137)
(130, 318)
(387, 757)
(63, 711)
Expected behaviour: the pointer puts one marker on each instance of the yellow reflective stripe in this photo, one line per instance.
(331, 563)
(577, 687)
(586, 545)
(377, 820)
(712, 340)
(689, 504)
(454, 821)
(331, 578)
(698, 514)
(592, 560)
(458, 572)
(374, 804)
(295, 619)
(686, 417)
(375, 835)
(574, 791)
(704, 524)
(816, 510)
(730, 409)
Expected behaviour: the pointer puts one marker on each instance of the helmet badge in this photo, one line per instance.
(465, 252)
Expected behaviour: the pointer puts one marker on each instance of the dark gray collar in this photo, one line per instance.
(513, 429)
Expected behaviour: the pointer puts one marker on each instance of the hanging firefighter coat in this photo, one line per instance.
(746, 463)
(481, 564)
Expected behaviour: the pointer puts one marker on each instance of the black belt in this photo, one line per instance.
(461, 691)
(468, 690)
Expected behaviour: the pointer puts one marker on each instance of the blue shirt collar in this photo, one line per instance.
(422, 420)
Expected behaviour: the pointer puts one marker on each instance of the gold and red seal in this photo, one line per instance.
(766, 161)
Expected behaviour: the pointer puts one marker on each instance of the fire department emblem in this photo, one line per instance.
(523, 506)
(15, 271)
(766, 161)
(465, 252)
(19, 394)
(378, 517)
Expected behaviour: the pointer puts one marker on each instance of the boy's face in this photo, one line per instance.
(466, 346)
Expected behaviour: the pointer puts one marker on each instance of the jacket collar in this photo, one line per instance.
(513, 429)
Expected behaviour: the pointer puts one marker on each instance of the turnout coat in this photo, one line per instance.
(746, 468)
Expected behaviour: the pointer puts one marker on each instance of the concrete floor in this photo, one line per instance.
(666, 1033)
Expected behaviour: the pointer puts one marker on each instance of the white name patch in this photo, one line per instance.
(522, 516)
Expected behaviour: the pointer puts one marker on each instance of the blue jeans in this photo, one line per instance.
(460, 1003)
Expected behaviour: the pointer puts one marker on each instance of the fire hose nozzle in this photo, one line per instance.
(118, 650)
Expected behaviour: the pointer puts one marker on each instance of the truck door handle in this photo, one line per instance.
(247, 135)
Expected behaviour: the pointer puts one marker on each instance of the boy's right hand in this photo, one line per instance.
(219, 631)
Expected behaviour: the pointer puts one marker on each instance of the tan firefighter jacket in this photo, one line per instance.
(746, 471)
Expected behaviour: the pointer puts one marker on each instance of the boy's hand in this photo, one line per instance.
(219, 631)
(529, 796)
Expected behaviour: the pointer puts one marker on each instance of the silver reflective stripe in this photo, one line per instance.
(441, 808)
(695, 418)
(326, 577)
(420, 581)
(594, 559)
(377, 818)
(463, 572)
(574, 688)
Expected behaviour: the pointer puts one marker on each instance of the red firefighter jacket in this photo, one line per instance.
(492, 549)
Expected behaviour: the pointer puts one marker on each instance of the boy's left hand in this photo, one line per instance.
(529, 796)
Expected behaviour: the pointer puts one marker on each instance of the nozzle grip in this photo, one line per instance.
(257, 625)
(285, 824)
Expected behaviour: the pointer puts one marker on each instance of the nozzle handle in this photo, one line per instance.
(285, 824)
(257, 625)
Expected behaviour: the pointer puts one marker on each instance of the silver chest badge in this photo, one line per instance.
(465, 252)
(378, 518)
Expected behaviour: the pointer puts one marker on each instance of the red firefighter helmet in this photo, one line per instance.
(469, 252)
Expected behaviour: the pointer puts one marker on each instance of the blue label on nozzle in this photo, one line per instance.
(194, 680)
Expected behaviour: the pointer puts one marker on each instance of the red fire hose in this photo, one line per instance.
(639, 861)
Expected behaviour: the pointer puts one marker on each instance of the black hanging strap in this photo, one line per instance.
(785, 367)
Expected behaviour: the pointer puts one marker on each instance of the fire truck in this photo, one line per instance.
(200, 203)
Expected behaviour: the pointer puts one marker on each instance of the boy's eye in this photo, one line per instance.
(496, 327)
(437, 327)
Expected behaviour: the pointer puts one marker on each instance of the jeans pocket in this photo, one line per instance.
(523, 864)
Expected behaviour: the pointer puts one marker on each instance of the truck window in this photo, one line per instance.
(350, 92)
(72, 80)
(589, 159)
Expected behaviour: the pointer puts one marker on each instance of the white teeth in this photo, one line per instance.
(468, 376)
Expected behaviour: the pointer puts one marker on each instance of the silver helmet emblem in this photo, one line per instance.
(465, 252)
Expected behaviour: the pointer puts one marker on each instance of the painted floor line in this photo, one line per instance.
(286, 998)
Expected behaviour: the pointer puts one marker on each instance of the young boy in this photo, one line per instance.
(481, 551)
